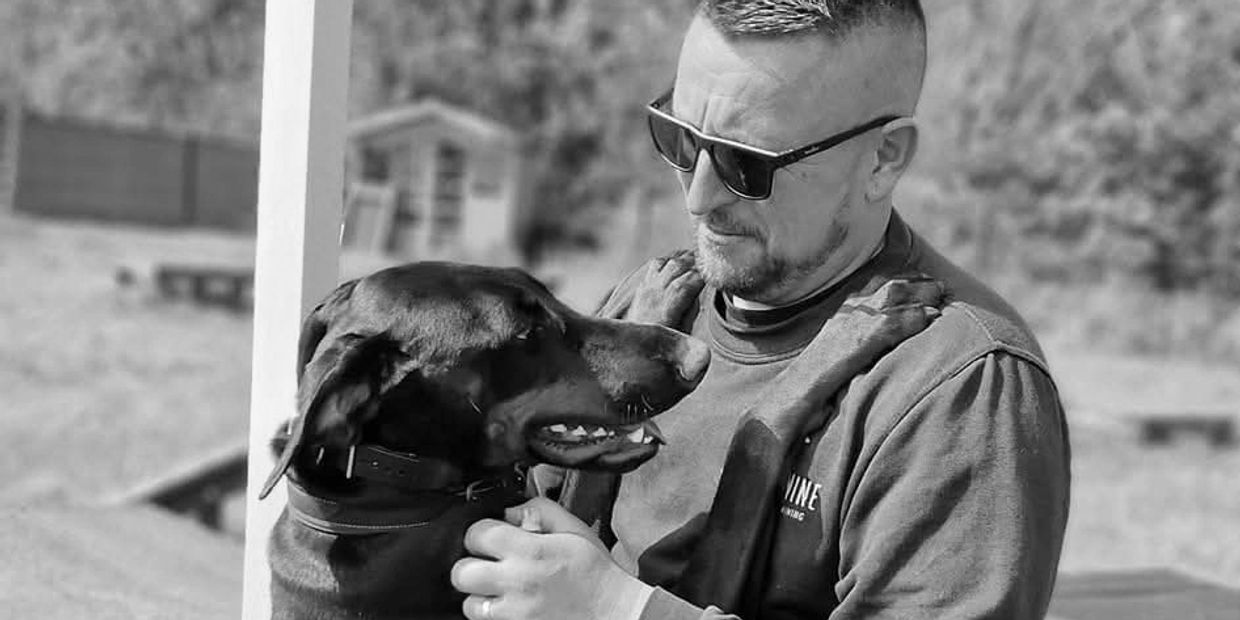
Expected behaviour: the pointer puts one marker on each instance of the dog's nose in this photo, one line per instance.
(694, 356)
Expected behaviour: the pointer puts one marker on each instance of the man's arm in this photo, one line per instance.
(961, 511)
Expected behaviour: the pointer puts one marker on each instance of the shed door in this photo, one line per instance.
(448, 197)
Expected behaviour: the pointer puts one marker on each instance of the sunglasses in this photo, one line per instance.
(745, 170)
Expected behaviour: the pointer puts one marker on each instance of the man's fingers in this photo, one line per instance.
(547, 516)
(476, 576)
(483, 608)
(493, 539)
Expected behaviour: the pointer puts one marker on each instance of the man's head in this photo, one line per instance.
(778, 75)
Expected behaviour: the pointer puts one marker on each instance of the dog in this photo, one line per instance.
(424, 390)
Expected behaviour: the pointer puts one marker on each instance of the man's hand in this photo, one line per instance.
(542, 563)
(669, 286)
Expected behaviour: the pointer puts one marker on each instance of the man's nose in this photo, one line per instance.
(704, 192)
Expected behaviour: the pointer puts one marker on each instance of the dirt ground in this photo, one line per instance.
(105, 384)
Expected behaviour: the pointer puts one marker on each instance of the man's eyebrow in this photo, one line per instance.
(723, 122)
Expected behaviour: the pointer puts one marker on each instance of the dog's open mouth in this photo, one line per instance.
(587, 445)
(570, 435)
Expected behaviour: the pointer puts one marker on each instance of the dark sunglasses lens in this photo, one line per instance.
(747, 174)
(673, 142)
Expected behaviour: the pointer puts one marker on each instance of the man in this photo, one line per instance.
(936, 485)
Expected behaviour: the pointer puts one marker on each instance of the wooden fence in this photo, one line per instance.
(71, 168)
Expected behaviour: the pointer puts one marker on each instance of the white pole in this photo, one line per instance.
(301, 170)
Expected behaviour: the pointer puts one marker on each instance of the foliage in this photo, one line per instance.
(1068, 140)
(1106, 134)
(180, 64)
(573, 76)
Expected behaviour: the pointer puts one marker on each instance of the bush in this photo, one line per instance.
(1109, 141)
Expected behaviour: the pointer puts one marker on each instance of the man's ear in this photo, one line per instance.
(339, 391)
(894, 156)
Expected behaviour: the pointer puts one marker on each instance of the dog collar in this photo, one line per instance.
(377, 513)
(359, 515)
(403, 470)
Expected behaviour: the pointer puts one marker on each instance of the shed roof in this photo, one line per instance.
(430, 110)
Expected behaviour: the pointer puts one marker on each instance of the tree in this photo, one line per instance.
(183, 64)
(1107, 137)
(572, 76)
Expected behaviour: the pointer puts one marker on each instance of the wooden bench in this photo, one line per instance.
(231, 287)
(1218, 429)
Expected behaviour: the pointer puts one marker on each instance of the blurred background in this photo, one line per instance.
(1081, 156)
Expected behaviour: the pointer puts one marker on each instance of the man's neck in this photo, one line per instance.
(745, 304)
(863, 257)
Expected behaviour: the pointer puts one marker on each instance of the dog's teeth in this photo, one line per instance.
(648, 439)
(579, 432)
(558, 428)
(637, 436)
(599, 432)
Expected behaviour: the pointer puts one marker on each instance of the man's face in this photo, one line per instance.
(776, 94)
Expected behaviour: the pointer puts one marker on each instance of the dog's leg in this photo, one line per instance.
(667, 289)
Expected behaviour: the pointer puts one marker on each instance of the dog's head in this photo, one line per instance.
(485, 368)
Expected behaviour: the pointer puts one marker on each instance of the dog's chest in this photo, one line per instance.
(402, 574)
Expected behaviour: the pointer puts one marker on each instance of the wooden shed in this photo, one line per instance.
(434, 181)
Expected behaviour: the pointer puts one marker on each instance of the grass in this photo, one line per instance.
(1139, 507)
(106, 386)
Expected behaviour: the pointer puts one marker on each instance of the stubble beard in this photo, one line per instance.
(763, 276)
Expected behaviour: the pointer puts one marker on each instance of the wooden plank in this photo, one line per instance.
(134, 561)
(1141, 595)
(301, 169)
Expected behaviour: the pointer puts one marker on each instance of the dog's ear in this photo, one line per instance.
(314, 327)
(339, 391)
(541, 312)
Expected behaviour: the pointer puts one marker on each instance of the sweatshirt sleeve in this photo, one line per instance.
(663, 605)
(960, 513)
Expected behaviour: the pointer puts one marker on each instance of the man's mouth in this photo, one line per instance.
(716, 230)
(721, 231)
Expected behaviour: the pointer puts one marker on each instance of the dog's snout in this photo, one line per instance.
(693, 356)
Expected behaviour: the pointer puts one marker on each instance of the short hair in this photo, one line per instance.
(836, 18)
